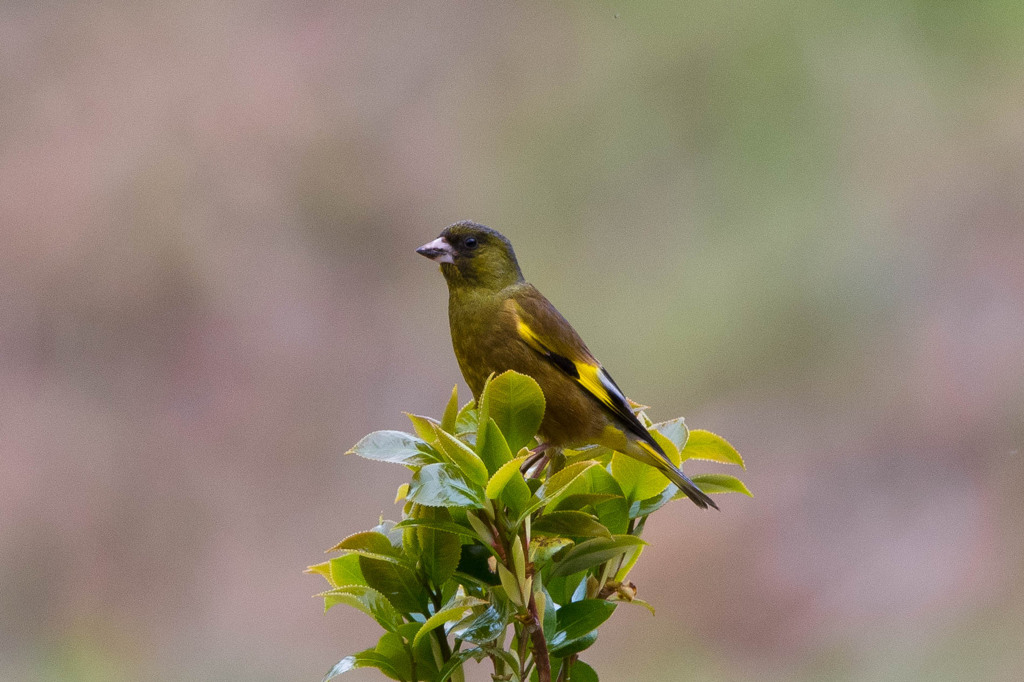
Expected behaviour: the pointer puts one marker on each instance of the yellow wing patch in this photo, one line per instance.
(531, 339)
(590, 379)
(586, 374)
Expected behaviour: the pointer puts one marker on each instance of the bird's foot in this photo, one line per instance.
(537, 460)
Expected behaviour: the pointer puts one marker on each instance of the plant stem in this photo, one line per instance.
(498, 663)
(497, 530)
(540, 645)
(605, 570)
(412, 661)
(527, 671)
(567, 663)
(633, 529)
(524, 670)
(442, 639)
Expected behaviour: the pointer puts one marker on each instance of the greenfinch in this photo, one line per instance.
(501, 322)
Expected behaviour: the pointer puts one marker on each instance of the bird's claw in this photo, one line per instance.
(537, 459)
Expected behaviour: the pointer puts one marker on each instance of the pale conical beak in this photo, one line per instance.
(438, 251)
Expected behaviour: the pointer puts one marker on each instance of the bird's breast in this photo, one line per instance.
(476, 329)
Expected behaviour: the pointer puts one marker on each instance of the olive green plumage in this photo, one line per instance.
(501, 322)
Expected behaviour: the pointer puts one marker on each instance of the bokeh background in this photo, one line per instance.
(798, 223)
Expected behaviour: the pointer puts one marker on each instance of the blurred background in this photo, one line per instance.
(799, 224)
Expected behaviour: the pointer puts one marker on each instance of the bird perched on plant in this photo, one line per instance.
(501, 322)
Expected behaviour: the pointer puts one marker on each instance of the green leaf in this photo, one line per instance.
(392, 647)
(442, 526)
(368, 600)
(555, 485)
(482, 410)
(409, 630)
(442, 485)
(579, 618)
(594, 552)
(578, 501)
(519, 561)
(423, 426)
(570, 524)
(559, 481)
(503, 476)
(652, 504)
(674, 430)
(549, 617)
(478, 653)
(397, 582)
(517, 494)
(721, 483)
(638, 480)
(455, 609)
(323, 569)
(576, 623)
(397, 447)
(483, 530)
(598, 481)
(706, 445)
(638, 602)
(632, 474)
(595, 481)
(542, 549)
(574, 646)
(463, 457)
(466, 422)
(457, 660)
(599, 452)
(491, 446)
(541, 603)
(581, 672)
(439, 551)
(364, 659)
(373, 545)
(345, 571)
(630, 559)
(669, 447)
(451, 411)
(612, 512)
(511, 661)
(484, 624)
(516, 403)
(387, 529)
(427, 653)
(562, 588)
(508, 581)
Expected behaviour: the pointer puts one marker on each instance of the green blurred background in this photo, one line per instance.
(799, 224)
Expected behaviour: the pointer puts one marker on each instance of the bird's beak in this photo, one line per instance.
(438, 251)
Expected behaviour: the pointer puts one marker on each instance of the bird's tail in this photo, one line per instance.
(651, 454)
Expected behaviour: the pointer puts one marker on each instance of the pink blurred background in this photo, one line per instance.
(799, 224)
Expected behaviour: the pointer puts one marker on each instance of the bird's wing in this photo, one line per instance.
(543, 329)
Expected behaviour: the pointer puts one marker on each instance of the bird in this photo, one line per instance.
(501, 322)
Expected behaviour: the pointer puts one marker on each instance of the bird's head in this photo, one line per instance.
(472, 255)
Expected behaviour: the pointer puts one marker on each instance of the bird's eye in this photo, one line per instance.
(470, 242)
